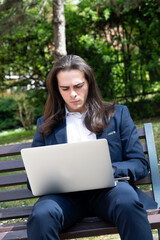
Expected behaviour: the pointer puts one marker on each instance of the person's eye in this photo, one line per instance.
(64, 89)
(79, 86)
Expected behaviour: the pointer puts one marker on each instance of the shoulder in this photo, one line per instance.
(40, 120)
(120, 109)
(122, 115)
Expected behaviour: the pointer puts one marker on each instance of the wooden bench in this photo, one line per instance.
(13, 187)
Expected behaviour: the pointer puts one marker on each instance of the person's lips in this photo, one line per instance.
(75, 101)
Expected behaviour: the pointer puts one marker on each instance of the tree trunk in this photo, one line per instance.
(59, 29)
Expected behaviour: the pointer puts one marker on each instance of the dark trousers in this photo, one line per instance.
(120, 205)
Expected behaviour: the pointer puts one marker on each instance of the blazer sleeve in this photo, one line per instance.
(134, 163)
(38, 140)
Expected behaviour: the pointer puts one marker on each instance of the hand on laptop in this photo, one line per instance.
(127, 178)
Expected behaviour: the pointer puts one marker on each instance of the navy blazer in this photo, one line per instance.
(124, 145)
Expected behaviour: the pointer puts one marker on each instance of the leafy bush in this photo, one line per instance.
(25, 112)
(8, 107)
(37, 99)
(22, 109)
(145, 108)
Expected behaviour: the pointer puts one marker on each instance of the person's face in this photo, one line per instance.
(73, 88)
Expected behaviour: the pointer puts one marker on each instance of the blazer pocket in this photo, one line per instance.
(113, 136)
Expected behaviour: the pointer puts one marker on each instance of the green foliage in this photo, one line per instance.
(26, 50)
(145, 108)
(22, 109)
(30, 106)
(8, 107)
(119, 39)
(37, 99)
(25, 111)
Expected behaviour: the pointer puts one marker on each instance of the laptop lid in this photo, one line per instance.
(68, 167)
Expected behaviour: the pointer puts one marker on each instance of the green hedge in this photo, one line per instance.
(145, 108)
(8, 107)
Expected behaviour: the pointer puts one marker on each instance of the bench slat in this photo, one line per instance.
(11, 165)
(21, 178)
(14, 179)
(20, 234)
(141, 132)
(154, 221)
(144, 146)
(13, 149)
(13, 226)
(146, 180)
(16, 212)
(17, 194)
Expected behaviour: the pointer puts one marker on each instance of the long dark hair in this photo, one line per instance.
(98, 112)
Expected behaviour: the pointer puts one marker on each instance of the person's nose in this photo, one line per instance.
(73, 93)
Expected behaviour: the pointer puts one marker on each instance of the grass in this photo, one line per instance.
(21, 135)
(16, 135)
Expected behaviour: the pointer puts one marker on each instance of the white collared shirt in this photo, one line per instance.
(76, 129)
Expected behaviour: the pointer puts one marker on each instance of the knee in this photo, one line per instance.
(44, 214)
(127, 210)
(127, 205)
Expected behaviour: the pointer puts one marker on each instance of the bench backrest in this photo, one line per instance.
(13, 177)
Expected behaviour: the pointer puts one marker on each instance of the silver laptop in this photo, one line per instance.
(68, 167)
